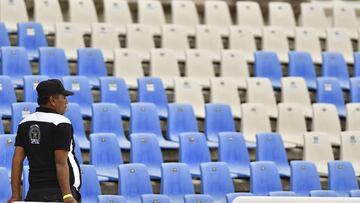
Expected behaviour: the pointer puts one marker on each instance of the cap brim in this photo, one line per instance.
(67, 93)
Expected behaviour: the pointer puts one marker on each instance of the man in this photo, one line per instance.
(46, 139)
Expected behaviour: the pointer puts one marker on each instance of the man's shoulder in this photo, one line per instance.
(54, 118)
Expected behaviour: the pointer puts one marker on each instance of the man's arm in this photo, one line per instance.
(16, 171)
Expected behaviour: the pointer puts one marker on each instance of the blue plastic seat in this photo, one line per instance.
(7, 147)
(110, 198)
(105, 154)
(151, 198)
(267, 65)
(334, 65)
(19, 111)
(354, 193)
(355, 90)
(232, 196)
(301, 65)
(30, 83)
(329, 91)
(82, 93)
(5, 192)
(176, 181)
(25, 183)
(73, 113)
(91, 64)
(1, 127)
(4, 36)
(264, 178)
(31, 36)
(323, 193)
(106, 118)
(15, 64)
(78, 151)
(53, 62)
(342, 178)
(218, 118)
(145, 119)
(114, 90)
(357, 64)
(134, 181)
(270, 147)
(145, 149)
(90, 186)
(7, 96)
(233, 151)
(198, 198)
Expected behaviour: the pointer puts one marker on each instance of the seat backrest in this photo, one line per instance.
(198, 64)
(198, 198)
(350, 146)
(7, 142)
(307, 40)
(354, 89)
(150, 13)
(174, 37)
(267, 65)
(104, 37)
(19, 111)
(249, 14)
(14, 62)
(337, 40)
(47, 13)
(264, 178)
(164, 63)
(127, 63)
(274, 39)
(90, 186)
(91, 63)
(82, 12)
(5, 193)
(151, 198)
(216, 179)
(217, 13)
(145, 149)
(69, 36)
(334, 65)
(134, 180)
(73, 113)
(117, 12)
(294, 90)
(345, 17)
(12, 12)
(242, 38)
(317, 148)
(104, 150)
(325, 118)
(144, 119)
(7, 94)
(4, 36)
(342, 177)
(30, 84)
(208, 38)
(270, 147)
(176, 179)
(232, 148)
(352, 116)
(281, 14)
(193, 149)
(233, 64)
(184, 13)
(301, 65)
(53, 62)
(304, 178)
(329, 91)
(139, 37)
(313, 15)
(111, 198)
(106, 118)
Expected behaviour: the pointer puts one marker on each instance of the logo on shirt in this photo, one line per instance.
(34, 134)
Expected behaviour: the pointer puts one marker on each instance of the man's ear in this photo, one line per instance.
(52, 100)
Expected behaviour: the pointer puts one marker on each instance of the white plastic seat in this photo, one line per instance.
(338, 40)
(317, 149)
(83, 13)
(174, 37)
(199, 66)
(307, 39)
(188, 91)
(117, 13)
(217, 14)
(242, 38)
(353, 116)
(294, 90)
(140, 38)
(345, 17)
(259, 90)
(274, 39)
(127, 65)
(326, 120)
(48, 13)
(69, 37)
(151, 13)
(209, 38)
(350, 148)
(12, 12)
(249, 14)
(281, 15)
(234, 67)
(313, 16)
(105, 37)
(184, 13)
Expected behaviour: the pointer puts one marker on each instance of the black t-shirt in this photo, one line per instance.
(40, 134)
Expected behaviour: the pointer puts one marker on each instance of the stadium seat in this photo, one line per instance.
(73, 113)
(127, 65)
(53, 62)
(267, 65)
(317, 149)
(12, 12)
(105, 37)
(25, 183)
(349, 149)
(337, 40)
(232, 196)
(259, 90)
(82, 93)
(151, 13)
(7, 96)
(145, 119)
(4, 36)
(48, 13)
(354, 193)
(118, 14)
(282, 15)
(270, 147)
(1, 127)
(342, 178)
(18, 112)
(356, 64)
(249, 14)
(151, 90)
(175, 38)
(242, 38)
(301, 65)
(275, 40)
(31, 36)
(77, 150)
(114, 90)
(140, 38)
(15, 64)
(352, 116)
(199, 66)
(330, 92)
(110, 198)
(209, 38)
(326, 120)
(69, 36)
(217, 14)
(323, 193)
(313, 15)
(134, 181)
(30, 84)
(7, 142)
(307, 40)
(158, 198)
(335, 66)
(198, 198)
(176, 181)
(225, 91)
(90, 186)
(105, 154)
(345, 18)
(354, 90)
(181, 119)
(184, 13)
(83, 13)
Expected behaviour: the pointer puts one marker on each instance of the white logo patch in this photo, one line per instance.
(34, 134)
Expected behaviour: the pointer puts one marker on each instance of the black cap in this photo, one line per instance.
(50, 87)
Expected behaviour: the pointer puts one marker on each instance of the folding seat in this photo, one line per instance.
(48, 13)
(294, 90)
(30, 84)
(356, 64)
(105, 154)
(234, 67)
(337, 40)
(151, 90)
(134, 181)
(217, 13)
(198, 198)
(7, 142)
(82, 93)
(90, 186)
(209, 38)
(301, 65)
(4, 36)
(232, 196)
(73, 113)
(140, 38)
(91, 64)
(199, 66)
(313, 15)
(77, 150)
(349, 149)
(184, 13)
(127, 65)
(7, 96)
(149, 198)
(190, 92)
(114, 90)
(275, 40)
(152, 14)
(106, 118)
(53, 62)
(281, 15)
(31, 36)
(233, 151)
(1, 128)
(117, 13)
(334, 65)
(218, 118)
(352, 116)
(5, 193)
(69, 36)
(15, 64)
(12, 12)
(226, 92)
(342, 178)
(345, 17)
(307, 40)
(255, 119)
(354, 89)
(110, 198)
(267, 65)
(249, 14)
(329, 91)
(243, 39)
(259, 90)
(82, 13)
(145, 119)
(175, 38)
(105, 37)
(176, 181)
(164, 65)
(317, 149)
(18, 112)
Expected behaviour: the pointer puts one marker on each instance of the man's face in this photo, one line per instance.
(59, 102)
